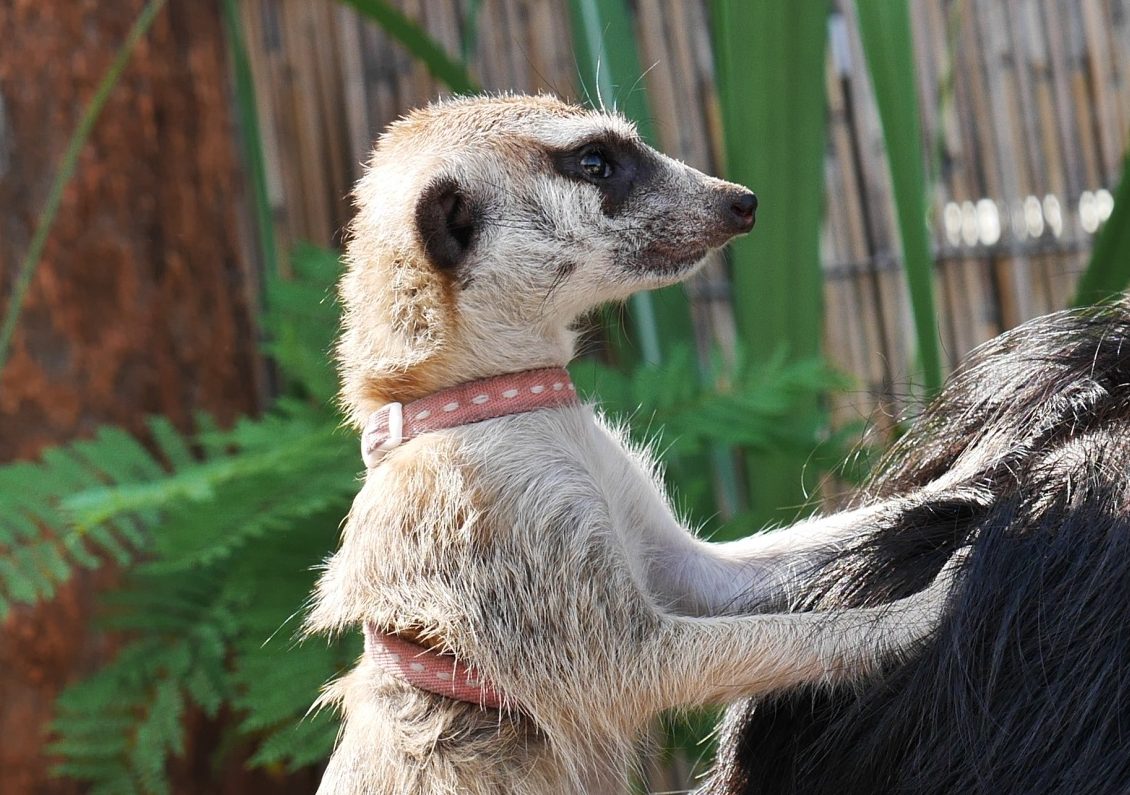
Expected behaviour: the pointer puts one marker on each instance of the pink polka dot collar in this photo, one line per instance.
(442, 674)
(474, 401)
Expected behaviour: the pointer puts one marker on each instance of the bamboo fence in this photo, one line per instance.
(1025, 106)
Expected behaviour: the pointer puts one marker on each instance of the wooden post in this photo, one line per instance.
(142, 303)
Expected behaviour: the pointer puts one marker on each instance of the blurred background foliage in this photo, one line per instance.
(217, 527)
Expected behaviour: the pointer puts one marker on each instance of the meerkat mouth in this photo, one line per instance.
(666, 265)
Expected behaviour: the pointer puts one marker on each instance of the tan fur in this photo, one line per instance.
(541, 546)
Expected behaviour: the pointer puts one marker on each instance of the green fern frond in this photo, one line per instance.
(739, 404)
(271, 695)
(139, 700)
(220, 534)
(298, 743)
(158, 736)
(249, 508)
(289, 464)
(217, 633)
(301, 320)
(42, 545)
(170, 443)
(104, 495)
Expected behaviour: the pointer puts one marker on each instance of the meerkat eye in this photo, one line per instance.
(595, 164)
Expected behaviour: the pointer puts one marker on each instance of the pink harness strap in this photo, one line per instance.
(475, 401)
(442, 674)
(394, 424)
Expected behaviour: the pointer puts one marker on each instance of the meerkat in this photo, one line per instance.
(540, 547)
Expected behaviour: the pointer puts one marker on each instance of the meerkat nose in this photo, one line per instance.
(743, 210)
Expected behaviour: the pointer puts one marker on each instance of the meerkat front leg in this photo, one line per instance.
(764, 571)
(758, 572)
(719, 659)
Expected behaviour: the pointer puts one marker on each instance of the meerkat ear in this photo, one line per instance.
(447, 221)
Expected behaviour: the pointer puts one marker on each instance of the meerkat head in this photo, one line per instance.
(487, 225)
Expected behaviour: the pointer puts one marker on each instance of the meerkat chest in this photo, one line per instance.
(630, 481)
(572, 463)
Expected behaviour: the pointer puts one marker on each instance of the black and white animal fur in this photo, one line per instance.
(541, 547)
(1025, 689)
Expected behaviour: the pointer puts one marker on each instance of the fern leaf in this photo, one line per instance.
(16, 525)
(170, 442)
(117, 729)
(20, 586)
(112, 777)
(158, 735)
(126, 787)
(301, 321)
(69, 469)
(207, 685)
(104, 538)
(271, 694)
(298, 743)
(78, 552)
(211, 439)
(42, 544)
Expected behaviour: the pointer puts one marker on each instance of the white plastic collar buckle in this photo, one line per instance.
(395, 422)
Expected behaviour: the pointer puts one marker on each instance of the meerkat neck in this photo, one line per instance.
(496, 351)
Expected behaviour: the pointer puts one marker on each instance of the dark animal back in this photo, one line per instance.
(1026, 686)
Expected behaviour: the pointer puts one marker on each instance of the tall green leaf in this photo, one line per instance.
(609, 65)
(1109, 269)
(416, 40)
(884, 26)
(770, 66)
(67, 167)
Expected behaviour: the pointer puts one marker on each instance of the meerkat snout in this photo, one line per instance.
(743, 211)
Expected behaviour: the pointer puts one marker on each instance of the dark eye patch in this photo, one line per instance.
(614, 165)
